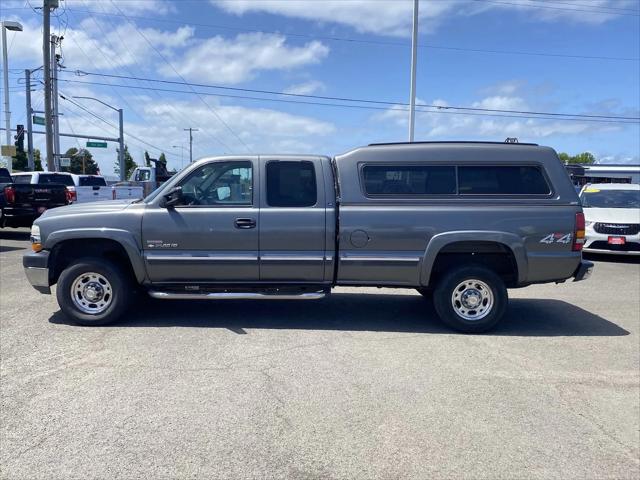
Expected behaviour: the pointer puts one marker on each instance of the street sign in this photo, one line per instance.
(8, 150)
(65, 162)
(38, 120)
(97, 144)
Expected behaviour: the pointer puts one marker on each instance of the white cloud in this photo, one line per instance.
(619, 158)
(501, 102)
(388, 18)
(395, 17)
(306, 88)
(452, 125)
(161, 124)
(236, 60)
(129, 7)
(95, 45)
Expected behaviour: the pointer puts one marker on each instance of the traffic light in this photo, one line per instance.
(19, 138)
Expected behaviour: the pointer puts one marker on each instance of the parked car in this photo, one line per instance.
(460, 222)
(28, 195)
(90, 188)
(612, 214)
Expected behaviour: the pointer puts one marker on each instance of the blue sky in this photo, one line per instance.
(291, 46)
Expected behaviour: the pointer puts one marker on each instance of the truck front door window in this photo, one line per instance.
(221, 183)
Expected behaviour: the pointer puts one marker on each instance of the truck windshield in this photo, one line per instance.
(596, 198)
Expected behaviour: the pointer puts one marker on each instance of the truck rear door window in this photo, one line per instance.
(291, 184)
(48, 178)
(501, 180)
(22, 179)
(409, 180)
(92, 182)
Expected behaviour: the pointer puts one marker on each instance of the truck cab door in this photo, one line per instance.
(293, 217)
(211, 235)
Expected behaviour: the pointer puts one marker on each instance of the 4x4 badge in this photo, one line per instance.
(557, 238)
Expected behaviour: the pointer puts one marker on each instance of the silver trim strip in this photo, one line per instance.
(190, 258)
(234, 296)
(379, 259)
(285, 258)
(38, 277)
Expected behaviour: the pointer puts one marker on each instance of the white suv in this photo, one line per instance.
(612, 214)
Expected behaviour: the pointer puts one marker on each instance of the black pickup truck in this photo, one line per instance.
(21, 202)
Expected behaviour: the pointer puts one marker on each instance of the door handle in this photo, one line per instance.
(245, 223)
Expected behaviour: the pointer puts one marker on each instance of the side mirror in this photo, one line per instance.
(172, 198)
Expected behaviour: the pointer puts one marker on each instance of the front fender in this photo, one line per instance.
(123, 237)
(438, 242)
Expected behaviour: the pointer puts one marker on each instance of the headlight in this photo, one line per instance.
(36, 241)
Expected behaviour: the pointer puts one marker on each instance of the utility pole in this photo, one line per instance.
(123, 172)
(27, 82)
(46, 54)
(56, 115)
(190, 130)
(414, 61)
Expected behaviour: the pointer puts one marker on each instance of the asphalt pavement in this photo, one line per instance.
(365, 384)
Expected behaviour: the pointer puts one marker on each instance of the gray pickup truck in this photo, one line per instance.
(460, 222)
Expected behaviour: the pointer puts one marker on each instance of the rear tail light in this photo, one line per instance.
(72, 195)
(10, 194)
(578, 234)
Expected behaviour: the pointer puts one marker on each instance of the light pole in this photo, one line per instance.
(123, 173)
(414, 62)
(15, 27)
(182, 149)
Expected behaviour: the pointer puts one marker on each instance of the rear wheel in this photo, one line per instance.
(94, 292)
(471, 299)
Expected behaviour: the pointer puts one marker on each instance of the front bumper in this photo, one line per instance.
(36, 268)
(584, 271)
(598, 243)
(19, 217)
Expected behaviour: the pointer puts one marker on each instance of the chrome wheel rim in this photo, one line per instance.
(472, 299)
(91, 293)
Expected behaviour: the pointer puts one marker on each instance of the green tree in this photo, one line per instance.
(162, 158)
(129, 163)
(82, 162)
(20, 162)
(37, 160)
(584, 158)
(147, 158)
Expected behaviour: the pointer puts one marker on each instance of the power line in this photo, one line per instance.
(124, 45)
(363, 41)
(587, 6)
(354, 100)
(550, 7)
(394, 107)
(107, 122)
(180, 76)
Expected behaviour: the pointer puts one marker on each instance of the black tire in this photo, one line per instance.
(121, 291)
(443, 299)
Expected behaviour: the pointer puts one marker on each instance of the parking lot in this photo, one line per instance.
(365, 384)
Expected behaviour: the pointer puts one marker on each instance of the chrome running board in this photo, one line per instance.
(235, 296)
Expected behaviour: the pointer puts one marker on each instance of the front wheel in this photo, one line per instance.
(94, 292)
(471, 299)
